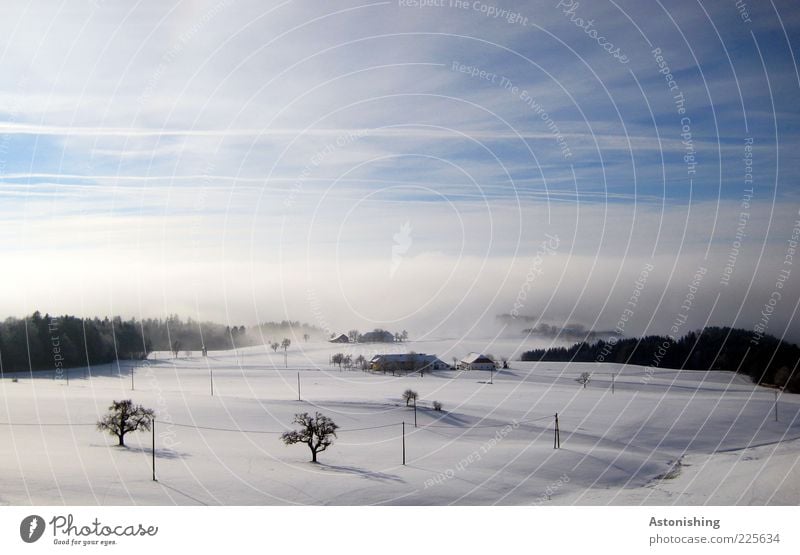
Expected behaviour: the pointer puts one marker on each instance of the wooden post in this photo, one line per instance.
(612, 383)
(211, 380)
(776, 405)
(404, 443)
(556, 435)
(415, 412)
(154, 450)
(558, 432)
(133, 371)
(298, 386)
(555, 427)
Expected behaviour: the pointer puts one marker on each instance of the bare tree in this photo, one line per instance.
(584, 379)
(285, 344)
(353, 335)
(124, 417)
(176, 348)
(361, 362)
(338, 358)
(409, 395)
(437, 406)
(315, 431)
(348, 362)
(274, 346)
(306, 337)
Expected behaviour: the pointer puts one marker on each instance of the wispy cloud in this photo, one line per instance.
(257, 149)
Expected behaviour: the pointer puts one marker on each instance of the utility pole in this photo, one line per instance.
(776, 405)
(133, 371)
(404, 442)
(415, 412)
(211, 379)
(612, 383)
(298, 386)
(154, 450)
(556, 436)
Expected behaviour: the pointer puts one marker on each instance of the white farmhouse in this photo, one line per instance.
(476, 361)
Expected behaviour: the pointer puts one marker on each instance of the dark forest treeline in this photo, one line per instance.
(42, 342)
(768, 360)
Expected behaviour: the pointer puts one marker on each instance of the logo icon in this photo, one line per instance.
(402, 242)
(31, 528)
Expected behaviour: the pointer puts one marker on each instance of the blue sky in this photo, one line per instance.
(241, 160)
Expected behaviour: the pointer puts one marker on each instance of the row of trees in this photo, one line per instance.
(341, 359)
(42, 342)
(285, 344)
(289, 327)
(569, 332)
(378, 335)
(768, 360)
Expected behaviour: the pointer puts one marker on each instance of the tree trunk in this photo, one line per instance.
(313, 456)
(121, 440)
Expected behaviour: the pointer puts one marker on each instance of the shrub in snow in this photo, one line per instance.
(437, 406)
(315, 431)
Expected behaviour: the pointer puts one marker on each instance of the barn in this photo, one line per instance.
(476, 361)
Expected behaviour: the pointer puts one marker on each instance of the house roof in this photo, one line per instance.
(476, 358)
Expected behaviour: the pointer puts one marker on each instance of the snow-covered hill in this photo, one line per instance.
(660, 437)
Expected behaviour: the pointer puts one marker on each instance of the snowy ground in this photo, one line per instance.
(662, 437)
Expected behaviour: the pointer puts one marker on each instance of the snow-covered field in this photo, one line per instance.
(661, 437)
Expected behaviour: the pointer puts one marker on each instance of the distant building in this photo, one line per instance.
(341, 339)
(377, 336)
(476, 361)
(407, 362)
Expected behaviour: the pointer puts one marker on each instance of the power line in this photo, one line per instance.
(47, 424)
(211, 428)
(243, 431)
